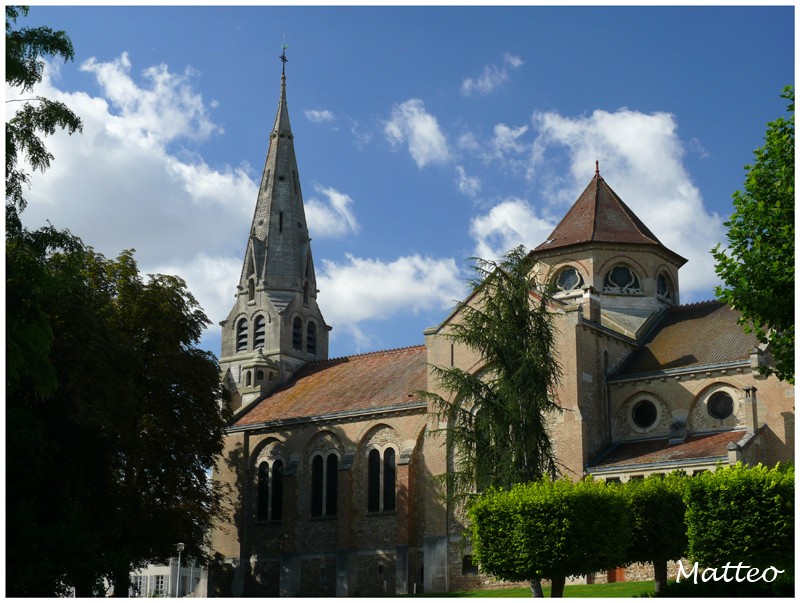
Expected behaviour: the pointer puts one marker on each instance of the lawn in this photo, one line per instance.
(616, 589)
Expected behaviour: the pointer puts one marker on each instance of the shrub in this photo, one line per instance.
(658, 529)
(742, 514)
(550, 529)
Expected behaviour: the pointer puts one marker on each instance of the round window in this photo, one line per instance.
(644, 414)
(720, 405)
(569, 279)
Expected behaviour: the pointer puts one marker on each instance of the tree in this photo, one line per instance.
(549, 529)
(124, 439)
(758, 267)
(658, 530)
(113, 414)
(742, 514)
(25, 48)
(497, 418)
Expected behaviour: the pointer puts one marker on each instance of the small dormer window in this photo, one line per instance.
(569, 279)
(621, 279)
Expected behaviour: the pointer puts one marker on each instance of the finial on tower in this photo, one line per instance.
(597, 170)
(283, 58)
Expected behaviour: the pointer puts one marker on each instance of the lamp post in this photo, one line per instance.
(180, 547)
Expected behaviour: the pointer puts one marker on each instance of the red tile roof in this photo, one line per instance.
(649, 452)
(599, 215)
(350, 384)
(700, 334)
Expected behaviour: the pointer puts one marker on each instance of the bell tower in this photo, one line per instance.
(275, 325)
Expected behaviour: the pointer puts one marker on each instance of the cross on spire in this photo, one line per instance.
(283, 58)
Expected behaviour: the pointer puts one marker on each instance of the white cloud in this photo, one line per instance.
(165, 108)
(368, 289)
(491, 77)
(319, 115)
(509, 224)
(641, 158)
(129, 182)
(333, 218)
(468, 185)
(412, 124)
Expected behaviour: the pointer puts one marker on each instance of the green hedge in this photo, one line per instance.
(742, 514)
(550, 529)
(553, 529)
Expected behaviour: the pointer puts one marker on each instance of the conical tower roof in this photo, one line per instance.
(600, 216)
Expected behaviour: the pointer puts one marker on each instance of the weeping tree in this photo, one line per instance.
(497, 418)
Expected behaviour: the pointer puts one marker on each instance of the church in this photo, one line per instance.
(332, 462)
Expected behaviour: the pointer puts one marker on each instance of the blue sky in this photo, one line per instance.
(424, 135)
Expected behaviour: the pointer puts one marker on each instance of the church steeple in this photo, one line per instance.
(278, 256)
(275, 325)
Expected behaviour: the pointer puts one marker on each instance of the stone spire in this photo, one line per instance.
(278, 256)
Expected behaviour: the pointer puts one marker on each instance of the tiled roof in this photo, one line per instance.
(649, 452)
(700, 334)
(350, 384)
(599, 215)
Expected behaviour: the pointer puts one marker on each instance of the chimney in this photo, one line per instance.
(591, 304)
(751, 410)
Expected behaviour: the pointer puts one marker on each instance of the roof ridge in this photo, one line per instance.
(372, 353)
(698, 304)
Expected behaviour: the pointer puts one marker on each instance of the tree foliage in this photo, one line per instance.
(25, 49)
(758, 266)
(116, 413)
(550, 529)
(658, 530)
(742, 514)
(497, 418)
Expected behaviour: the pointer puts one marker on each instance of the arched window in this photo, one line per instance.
(621, 279)
(259, 332)
(251, 290)
(381, 480)
(324, 485)
(262, 503)
(311, 337)
(664, 286)
(297, 333)
(241, 335)
(269, 491)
